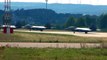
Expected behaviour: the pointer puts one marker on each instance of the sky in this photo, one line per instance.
(92, 2)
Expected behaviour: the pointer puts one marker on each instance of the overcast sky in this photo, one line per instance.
(93, 2)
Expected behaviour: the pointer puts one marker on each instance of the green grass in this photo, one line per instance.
(52, 54)
(51, 38)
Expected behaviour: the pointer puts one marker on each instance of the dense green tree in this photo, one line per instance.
(19, 24)
(89, 20)
(48, 25)
(70, 22)
(103, 21)
(81, 22)
(1, 16)
(84, 21)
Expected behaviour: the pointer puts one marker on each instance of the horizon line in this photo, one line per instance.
(54, 3)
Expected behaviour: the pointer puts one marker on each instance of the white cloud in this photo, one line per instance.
(94, 2)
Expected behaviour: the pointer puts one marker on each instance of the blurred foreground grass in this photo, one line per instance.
(52, 54)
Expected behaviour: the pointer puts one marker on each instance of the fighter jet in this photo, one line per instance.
(41, 28)
(78, 29)
(86, 30)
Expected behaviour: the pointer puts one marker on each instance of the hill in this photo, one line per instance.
(62, 8)
(38, 16)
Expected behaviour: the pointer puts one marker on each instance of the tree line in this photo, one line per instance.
(88, 21)
(50, 18)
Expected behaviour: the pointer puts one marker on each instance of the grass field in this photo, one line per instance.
(52, 54)
(51, 38)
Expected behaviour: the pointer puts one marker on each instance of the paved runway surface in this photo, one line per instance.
(57, 45)
(90, 34)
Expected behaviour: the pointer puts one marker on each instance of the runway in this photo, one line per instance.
(82, 34)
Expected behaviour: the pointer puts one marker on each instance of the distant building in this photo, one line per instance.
(7, 29)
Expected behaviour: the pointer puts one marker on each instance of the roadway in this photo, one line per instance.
(50, 45)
